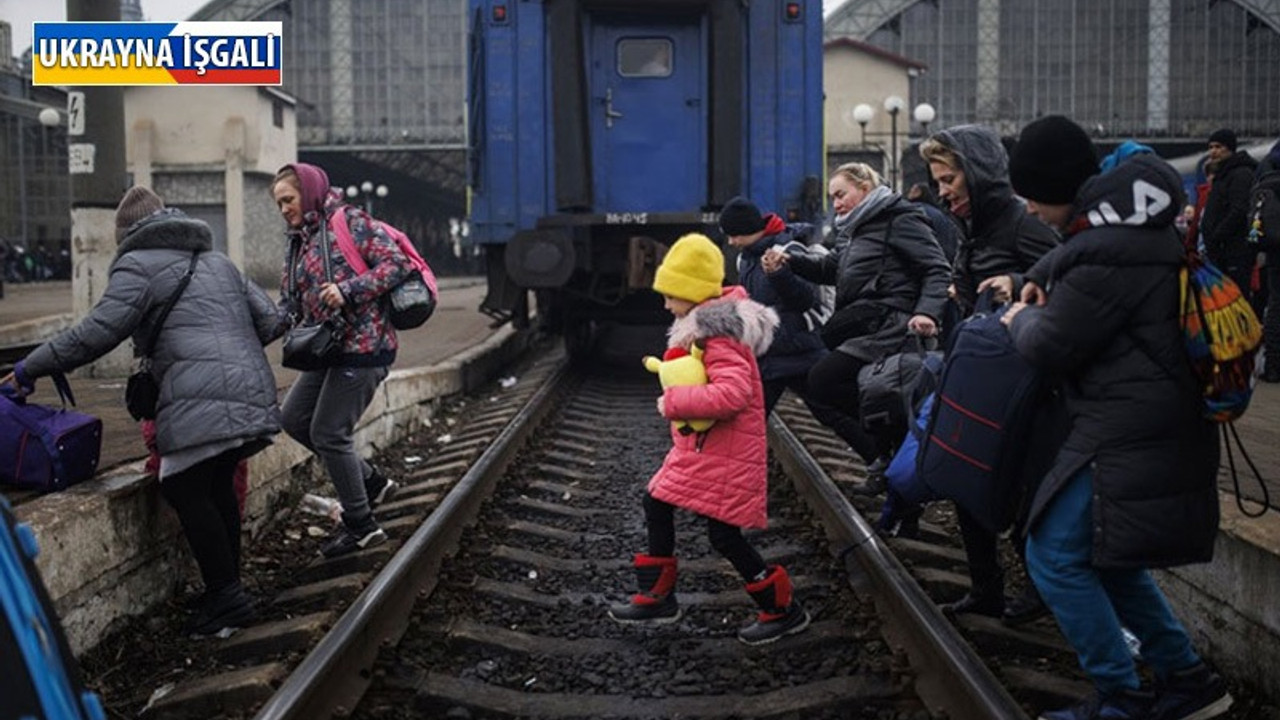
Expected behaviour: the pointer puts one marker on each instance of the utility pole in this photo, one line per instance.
(96, 142)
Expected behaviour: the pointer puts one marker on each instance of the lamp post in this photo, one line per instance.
(893, 105)
(862, 114)
(48, 118)
(924, 114)
(368, 192)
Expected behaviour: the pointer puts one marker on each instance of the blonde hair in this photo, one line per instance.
(860, 174)
(934, 150)
(286, 174)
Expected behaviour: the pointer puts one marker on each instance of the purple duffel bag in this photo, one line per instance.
(45, 448)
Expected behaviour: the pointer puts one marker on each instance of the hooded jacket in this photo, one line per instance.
(720, 473)
(796, 345)
(368, 340)
(1000, 237)
(1225, 221)
(1110, 331)
(215, 382)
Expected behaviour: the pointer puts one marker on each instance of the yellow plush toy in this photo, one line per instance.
(677, 368)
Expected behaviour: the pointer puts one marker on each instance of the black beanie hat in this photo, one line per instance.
(1226, 137)
(1052, 159)
(741, 217)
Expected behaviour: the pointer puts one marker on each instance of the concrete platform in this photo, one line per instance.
(110, 547)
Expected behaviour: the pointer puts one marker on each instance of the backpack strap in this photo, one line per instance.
(346, 244)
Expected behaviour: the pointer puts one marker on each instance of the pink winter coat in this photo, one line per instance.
(721, 473)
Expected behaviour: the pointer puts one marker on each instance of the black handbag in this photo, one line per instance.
(311, 347)
(857, 319)
(314, 346)
(142, 392)
(885, 387)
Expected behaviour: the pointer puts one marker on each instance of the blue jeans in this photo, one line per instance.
(1092, 603)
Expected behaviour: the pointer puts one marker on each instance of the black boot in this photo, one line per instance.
(1025, 608)
(227, 608)
(656, 603)
(780, 613)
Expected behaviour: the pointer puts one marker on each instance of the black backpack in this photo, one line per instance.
(1264, 212)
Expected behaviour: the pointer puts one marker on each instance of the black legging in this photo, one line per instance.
(726, 539)
(205, 500)
(835, 379)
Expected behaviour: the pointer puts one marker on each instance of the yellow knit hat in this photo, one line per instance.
(692, 270)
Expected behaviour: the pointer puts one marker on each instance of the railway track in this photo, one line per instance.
(509, 543)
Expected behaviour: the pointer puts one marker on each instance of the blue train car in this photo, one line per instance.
(599, 131)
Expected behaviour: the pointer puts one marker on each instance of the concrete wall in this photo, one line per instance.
(851, 77)
(111, 548)
(1231, 606)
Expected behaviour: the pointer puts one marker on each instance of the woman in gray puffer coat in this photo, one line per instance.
(217, 400)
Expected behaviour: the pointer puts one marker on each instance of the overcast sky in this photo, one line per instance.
(21, 13)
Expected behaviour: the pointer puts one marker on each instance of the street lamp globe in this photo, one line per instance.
(381, 191)
(894, 104)
(924, 114)
(366, 186)
(50, 117)
(352, 191)
(862, 114)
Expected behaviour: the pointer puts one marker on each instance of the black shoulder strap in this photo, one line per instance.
(885, 250)
(168, 306)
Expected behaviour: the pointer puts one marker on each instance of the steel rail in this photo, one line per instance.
(951, 677)
(332, 678)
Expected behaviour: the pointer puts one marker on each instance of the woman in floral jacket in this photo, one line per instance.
(321, 409)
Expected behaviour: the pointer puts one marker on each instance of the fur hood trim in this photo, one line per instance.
(167, 229)
(733, 315)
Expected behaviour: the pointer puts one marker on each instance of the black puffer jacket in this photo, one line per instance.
(796, 345)
(1110, 329)
(1001, 238)
(1225, 221)
(896, 271)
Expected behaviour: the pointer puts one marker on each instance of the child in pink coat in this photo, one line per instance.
(720, 473)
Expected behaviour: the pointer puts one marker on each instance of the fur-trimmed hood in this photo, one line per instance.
(167, 229)
(734, 315)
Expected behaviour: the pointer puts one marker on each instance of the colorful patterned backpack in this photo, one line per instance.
(1222, 336)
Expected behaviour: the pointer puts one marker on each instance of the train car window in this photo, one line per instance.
(644, 57)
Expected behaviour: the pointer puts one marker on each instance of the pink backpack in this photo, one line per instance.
(414, 299)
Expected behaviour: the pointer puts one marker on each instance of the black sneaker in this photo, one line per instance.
(1123, 705)
(347, 539)
(1196, 693)
(768, 628)
(226, 609)
(379, 488)
(659, 612)
(1025, 608)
